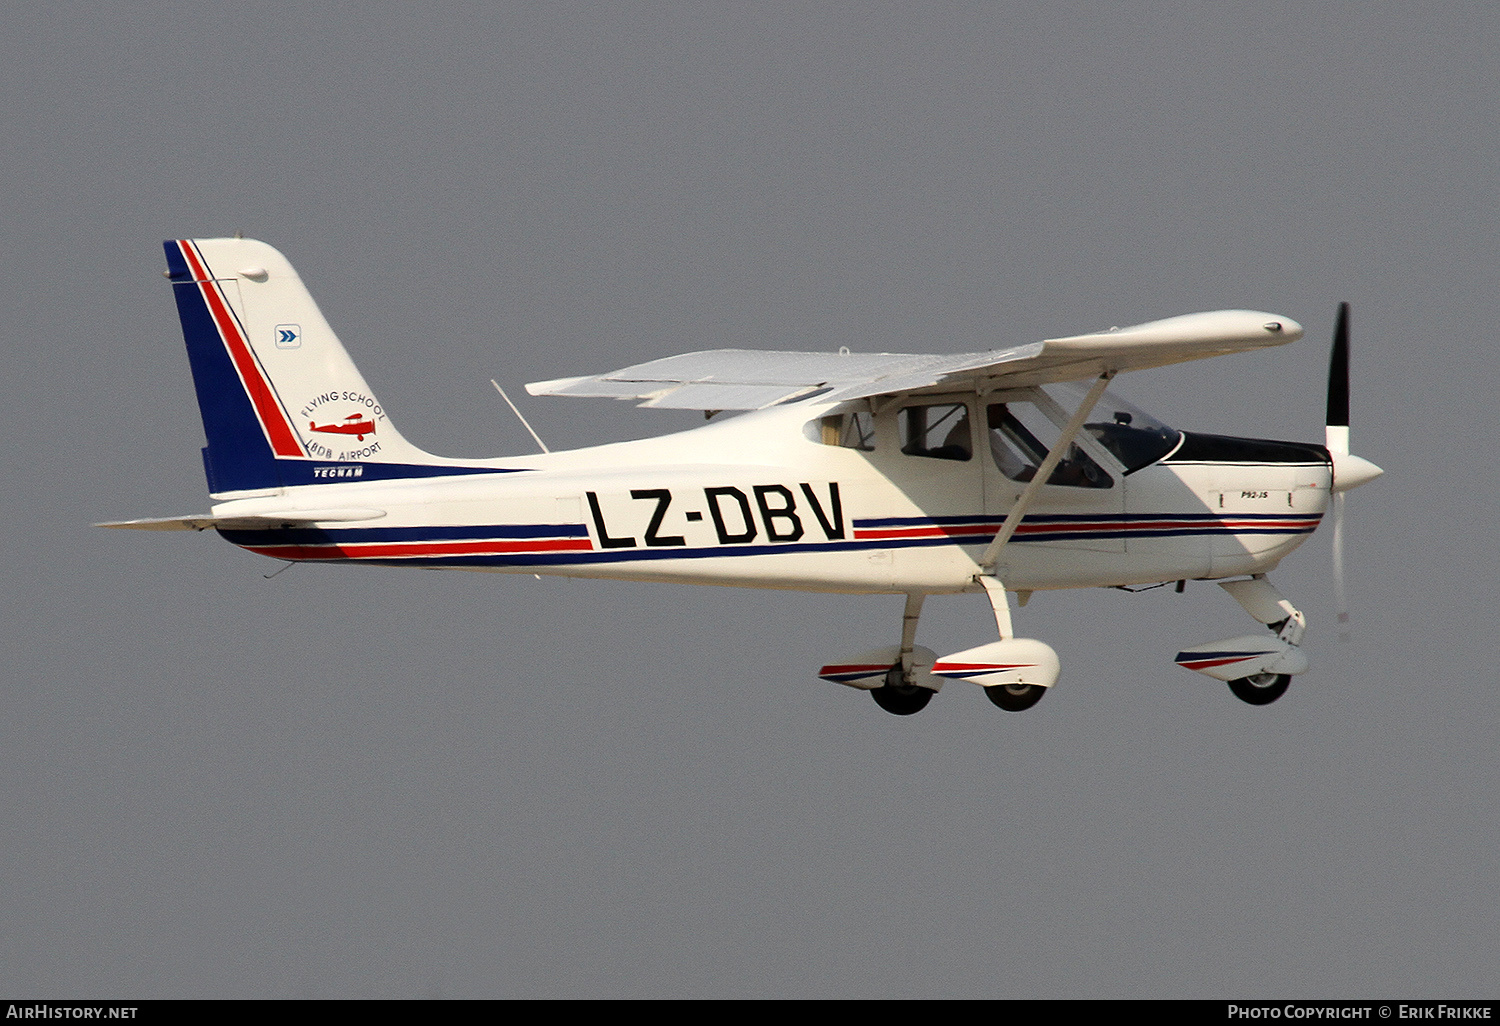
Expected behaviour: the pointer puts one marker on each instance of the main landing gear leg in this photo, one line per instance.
(898, 694)
(999, 605)
(1261, 600)
(909, 618)
(1017, 696)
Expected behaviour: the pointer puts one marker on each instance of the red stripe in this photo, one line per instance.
(1091, 526)
(954, 667)
(283, 439)
(864, 534)
(1203, 664)
(378, 550)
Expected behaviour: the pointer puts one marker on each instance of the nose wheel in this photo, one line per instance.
(1265, 668)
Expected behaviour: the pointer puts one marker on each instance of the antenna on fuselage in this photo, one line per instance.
(517, 412)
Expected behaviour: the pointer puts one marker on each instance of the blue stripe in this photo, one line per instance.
(554, 558)
(237, 457)
(1197, 657)
(177, 267)
(1180, 532)
(304, 472)
(321, 536)
(1186, 531)
(932, 521)
(1074, 518)
(341, 536)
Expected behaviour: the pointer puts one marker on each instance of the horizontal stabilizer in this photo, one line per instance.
(273, 519)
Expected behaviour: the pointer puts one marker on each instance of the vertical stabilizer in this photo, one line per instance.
(282, 403)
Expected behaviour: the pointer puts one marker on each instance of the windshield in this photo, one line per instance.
(1131, 435)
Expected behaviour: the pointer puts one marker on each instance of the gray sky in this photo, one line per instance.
(370, 782)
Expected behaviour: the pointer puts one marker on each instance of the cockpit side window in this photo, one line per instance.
(939, 431)
(1135, 447)
(1129, 433)
(1016, 433)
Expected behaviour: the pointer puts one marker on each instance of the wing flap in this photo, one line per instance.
(717, 395)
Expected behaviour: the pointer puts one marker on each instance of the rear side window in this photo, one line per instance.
(848, 430)
(940, 431)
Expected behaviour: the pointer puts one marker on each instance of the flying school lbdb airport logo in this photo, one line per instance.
(341, 425)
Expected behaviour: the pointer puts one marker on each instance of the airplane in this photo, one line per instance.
(1000, 473)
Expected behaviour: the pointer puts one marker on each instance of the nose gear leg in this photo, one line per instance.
(1261, 600)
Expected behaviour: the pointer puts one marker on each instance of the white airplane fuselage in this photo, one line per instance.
(757, 501)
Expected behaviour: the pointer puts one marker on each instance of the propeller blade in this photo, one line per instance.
(1349, 471)
(1340, 595)
(1337, 420)
(1336, 429)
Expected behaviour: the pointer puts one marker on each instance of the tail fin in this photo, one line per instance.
(282, 403)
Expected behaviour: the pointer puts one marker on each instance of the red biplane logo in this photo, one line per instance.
(354, 424)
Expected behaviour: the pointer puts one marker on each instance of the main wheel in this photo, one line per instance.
(898, 697)
(1260, 689)
(902, 699)
(1015, 697)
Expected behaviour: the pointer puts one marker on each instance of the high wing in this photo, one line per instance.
(750, 379)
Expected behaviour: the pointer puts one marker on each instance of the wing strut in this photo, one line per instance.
(1043, 473)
